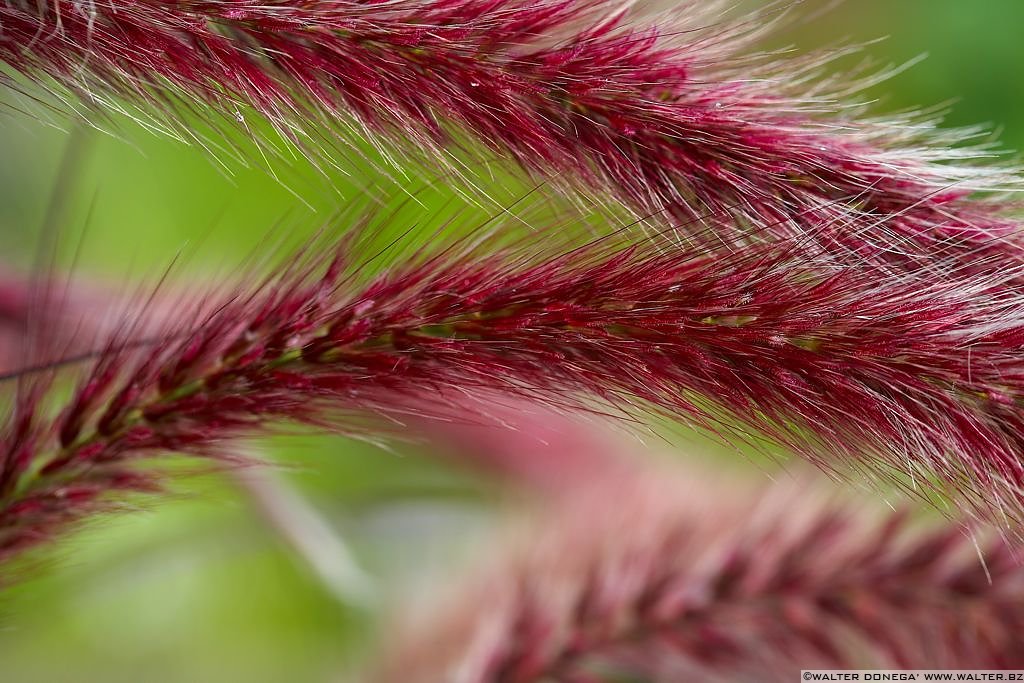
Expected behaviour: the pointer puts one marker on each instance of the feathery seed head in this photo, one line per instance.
(668, 113)
(888, 376)
(685, 577)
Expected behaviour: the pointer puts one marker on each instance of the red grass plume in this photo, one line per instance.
(663, 577)
(672, 112)
(888, 376)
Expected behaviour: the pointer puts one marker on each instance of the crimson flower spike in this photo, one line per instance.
(900, 378)
(667, 113)
(679, 578)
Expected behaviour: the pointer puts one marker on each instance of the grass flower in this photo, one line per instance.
(896, 379)
(659, 576)
(675, 112)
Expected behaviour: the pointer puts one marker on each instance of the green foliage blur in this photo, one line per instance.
(199, 589)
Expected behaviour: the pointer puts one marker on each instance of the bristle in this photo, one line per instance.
(916, 382)
(670, 113)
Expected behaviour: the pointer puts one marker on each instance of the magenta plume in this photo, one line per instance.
(893, 377)
(885, 375)
(668, 113)
(691, 578)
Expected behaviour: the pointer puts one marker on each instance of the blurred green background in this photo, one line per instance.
(199, 589)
